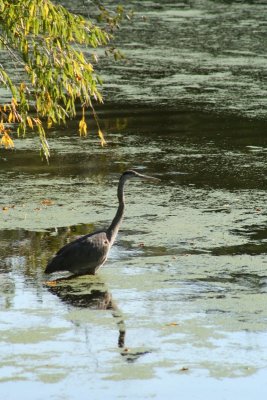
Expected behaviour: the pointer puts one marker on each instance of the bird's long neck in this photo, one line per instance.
(115, 224)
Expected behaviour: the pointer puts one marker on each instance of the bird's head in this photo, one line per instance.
(133, 174)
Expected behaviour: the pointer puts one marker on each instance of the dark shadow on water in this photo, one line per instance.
(252, 249)
(249, 281)
(254, 232)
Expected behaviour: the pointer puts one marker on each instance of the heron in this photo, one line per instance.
(88, 253)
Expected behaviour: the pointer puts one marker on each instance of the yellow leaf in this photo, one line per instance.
(32, 9)
(14, 102)
(6, 141)
(22, 86)
(49, 123)
(102, 140)
(46, 10)
(29, 120)
(69, 89)
(10, 117)
(51, 283)
(47, 202)
(82, 127)
(37, 121)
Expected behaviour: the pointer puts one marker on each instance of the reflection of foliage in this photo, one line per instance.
(37, 247)
(43, 40)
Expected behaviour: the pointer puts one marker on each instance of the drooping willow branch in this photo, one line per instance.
(56, 76)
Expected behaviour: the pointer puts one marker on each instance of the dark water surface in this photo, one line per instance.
(179, 310)
(201, 54)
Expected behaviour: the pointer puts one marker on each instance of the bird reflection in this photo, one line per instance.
(88, 292)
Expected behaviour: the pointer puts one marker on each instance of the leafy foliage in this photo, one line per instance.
(45, 41)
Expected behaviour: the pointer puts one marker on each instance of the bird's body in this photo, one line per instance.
(88, 253)
(84, 255)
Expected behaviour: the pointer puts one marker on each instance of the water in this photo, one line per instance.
(179, 309)
(180, 305)
(205, 55)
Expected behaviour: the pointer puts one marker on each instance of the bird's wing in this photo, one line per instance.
(83, 255)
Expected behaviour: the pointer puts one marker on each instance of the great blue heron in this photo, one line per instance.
(88, 253)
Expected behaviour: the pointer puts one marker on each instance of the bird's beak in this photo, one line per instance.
(150, 178)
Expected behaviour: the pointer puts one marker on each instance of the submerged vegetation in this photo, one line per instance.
(45, 43)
